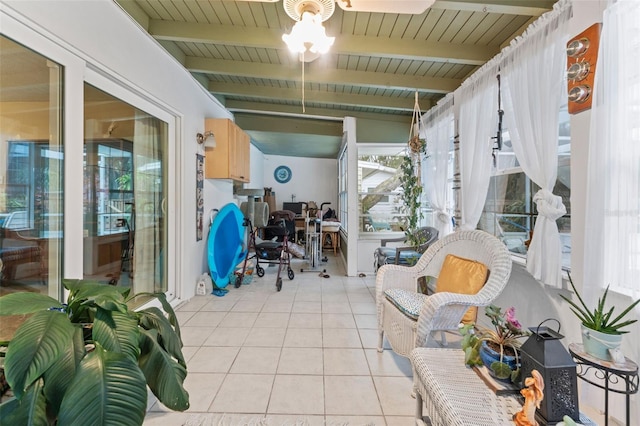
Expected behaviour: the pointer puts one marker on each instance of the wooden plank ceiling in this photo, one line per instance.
(372, 72)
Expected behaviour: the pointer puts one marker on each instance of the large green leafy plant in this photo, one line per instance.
(88, 362)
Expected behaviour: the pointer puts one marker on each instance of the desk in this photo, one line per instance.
(454, 394)
(617, 378)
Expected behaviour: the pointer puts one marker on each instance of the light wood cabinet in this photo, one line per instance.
(230, 158)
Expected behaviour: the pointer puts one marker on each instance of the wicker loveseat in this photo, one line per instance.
(441, 311)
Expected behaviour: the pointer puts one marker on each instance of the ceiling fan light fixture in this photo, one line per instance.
(308, 34)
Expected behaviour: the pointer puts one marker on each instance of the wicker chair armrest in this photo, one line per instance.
(395, 276)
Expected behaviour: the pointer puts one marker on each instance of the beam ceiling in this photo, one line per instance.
(376, 65)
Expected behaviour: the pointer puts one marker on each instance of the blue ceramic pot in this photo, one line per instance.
(489, 356)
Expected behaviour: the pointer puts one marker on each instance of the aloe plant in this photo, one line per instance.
(598, 318)
(89, 361)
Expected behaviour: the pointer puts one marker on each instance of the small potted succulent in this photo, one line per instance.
(496, 348)
(601, 331)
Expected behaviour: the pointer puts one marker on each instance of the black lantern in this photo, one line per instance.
(543, 351)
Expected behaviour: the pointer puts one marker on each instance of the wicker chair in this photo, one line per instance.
(439, 311)
(384, 255)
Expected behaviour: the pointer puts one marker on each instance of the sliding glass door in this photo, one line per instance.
(125, 183)
(31, 170)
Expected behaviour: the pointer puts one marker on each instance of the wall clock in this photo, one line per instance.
(282, 174)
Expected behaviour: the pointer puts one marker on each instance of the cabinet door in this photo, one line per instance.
(217, 159)
(234, 152)
(243, 155)
(230, 158)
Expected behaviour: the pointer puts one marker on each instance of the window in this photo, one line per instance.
(380, 204)
(510, 213)
(31, 170)
(342, 189)
(108, 189)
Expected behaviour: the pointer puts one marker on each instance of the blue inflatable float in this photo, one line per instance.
(226, 246)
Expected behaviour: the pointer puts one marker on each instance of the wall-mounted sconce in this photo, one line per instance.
(577, 47)
(208, 139)
(578, 71)
(580, 94)
(582, 55)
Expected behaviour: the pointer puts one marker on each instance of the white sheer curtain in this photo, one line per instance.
(532, 72)
(477, 100)
(613, 184)
(148, 167)
(438, 129)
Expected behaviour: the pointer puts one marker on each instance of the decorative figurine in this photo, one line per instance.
(533, 393)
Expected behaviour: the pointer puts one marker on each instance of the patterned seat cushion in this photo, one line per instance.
(409, 302)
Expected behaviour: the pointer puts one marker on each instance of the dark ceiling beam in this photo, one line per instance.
(272, 109)
(296, 125)
(316, 74)
(507, 7)
(345, 44)
(316, 96)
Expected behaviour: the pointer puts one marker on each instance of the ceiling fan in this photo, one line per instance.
(308, 34)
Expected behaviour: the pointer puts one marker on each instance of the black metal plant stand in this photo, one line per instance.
(619, 378)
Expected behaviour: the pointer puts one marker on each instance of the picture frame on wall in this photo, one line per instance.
(199, 196)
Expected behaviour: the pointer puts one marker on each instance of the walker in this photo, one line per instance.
(271, 252)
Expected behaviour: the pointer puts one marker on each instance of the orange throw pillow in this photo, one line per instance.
(465, 276)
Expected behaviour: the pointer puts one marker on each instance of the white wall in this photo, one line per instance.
(257, 169)
(312, 179)
(99, 33)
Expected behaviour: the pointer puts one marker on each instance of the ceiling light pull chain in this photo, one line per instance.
(303, 111)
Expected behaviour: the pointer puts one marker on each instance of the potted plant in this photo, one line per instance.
(496, 348)
(601, 331)
(89, 361)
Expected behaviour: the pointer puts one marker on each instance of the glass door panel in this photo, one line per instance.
(31, 171)
(125, 173)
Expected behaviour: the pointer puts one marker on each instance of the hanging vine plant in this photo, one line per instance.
(410, 179)
(412, 189)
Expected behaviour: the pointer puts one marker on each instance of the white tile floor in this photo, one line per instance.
(304, 355)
